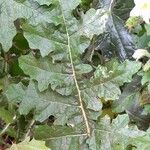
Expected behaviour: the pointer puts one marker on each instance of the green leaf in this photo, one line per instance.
(105, 83)
(56, 137)
(29, 145)
(85, 4)
(45, 104)
(8, 16)
(63, 83)
(141, 41)
(130, 102)
(21, 9)
(15, 92)
(147, 29)
(55, 88)
(105, 135)
(45, 72)
(45, 2)
(116, 134)
(146, 79)
(142, 143)
(147, 66)
(55, 132)
(129, 97)
(6, 115)
(119, 42)
(79, 31)
(122, 8)
(146, 109)
(108, 79)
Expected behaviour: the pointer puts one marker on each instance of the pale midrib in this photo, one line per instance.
(75, 78)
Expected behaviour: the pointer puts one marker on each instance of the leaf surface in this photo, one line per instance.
(79, 31)
(29, 145)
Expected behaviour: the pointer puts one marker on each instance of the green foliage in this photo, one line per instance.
(105, 135)
(29, 145)
(51, 91)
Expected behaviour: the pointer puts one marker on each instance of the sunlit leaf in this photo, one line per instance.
(29, 145)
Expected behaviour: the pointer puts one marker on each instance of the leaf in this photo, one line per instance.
(105, 135)
(60, 135)
(60, 81)
(142, 143)
(20, 9)
(122, 8)
(66, 44)
(7, 18)
(118, 40)
(52, 75)
(47, 73)
(116, 134)
(29, 145)
(45, 104)
(80, 31)
(108, 79)
(147, 66)
(100, 86)
(6, 115)
(146, 79)
(14, 93)
(141, 41)
(146, 109)
(45, 2)
(129, 97)
(129, 101)
(85, 4)
(55, 88)
(55, 132)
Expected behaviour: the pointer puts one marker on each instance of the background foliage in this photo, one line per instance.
(67, 77)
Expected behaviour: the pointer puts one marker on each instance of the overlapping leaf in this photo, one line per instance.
(105, 83)
(45, 104)
(60, 84)
(119, 41)
(105, 135)
(47, 73)
(29, 145)
(11, 11)
(79, 31)
(108, 79)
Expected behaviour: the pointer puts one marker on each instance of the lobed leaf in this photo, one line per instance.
(29, 145)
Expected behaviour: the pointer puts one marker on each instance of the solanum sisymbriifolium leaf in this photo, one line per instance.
(29, 145)
(29, 10)
(108, 79)
(146, 79)
(45, 2)
(64, 43)
(60, 84)
(119, 41)
(10, 11)
(104, 84)
(115, 134)
(105, 135)
(45, 104)
(80, 31)
(45, 72)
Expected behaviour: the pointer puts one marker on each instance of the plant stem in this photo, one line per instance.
(29, 129)
(5, 63)
(7, 126)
